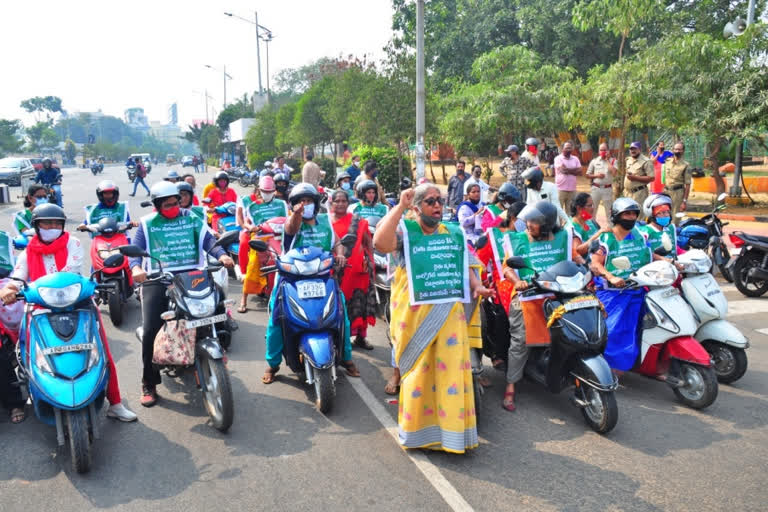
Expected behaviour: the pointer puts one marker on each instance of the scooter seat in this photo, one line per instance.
(755, 238)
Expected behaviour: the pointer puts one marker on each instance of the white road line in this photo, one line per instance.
(763, 331)
(429, 470)
(747, 307)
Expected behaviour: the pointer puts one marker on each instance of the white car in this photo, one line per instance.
(146, 159)
(13, 169)
(186, 161)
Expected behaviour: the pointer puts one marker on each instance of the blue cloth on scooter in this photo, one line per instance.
(625, 308)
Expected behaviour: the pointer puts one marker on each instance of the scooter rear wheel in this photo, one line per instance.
(730, 363)
(79, 440)
(217, 396)
(747, 286)
(700, 389)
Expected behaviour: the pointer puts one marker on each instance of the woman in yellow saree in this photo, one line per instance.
(432, 304)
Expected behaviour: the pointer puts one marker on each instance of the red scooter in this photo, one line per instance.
(108, 236)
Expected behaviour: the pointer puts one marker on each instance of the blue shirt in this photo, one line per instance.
(353, 172)
(47, 176)
(663, 158)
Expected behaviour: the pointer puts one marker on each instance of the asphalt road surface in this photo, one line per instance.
(282, 454)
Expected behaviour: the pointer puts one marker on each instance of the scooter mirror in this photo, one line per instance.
(228, 238)
(114, 261)
(680, 215)
(722, 196)
(661, 251)
(516, 262)
(258, 245)
(146, 204)
(621, 263)
(666, 242)
(207, 200)
(132, 251)
(594, 246)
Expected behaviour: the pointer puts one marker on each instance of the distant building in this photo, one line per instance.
(77, 114)
(165, 132)
(173, 114)
(135, 118)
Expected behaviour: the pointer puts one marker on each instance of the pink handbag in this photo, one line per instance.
(174, 345)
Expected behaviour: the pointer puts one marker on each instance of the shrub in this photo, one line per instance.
(256, 160)
(386, 158)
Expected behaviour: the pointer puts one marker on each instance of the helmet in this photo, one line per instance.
(221, 175)
(280, 176)
(509, 193)
(693, 236)
(172, 175)
(267, 184)
(533, 176)
(163, 190)
(266, 172)
(531, 141)
(268, 164)
(183, 186)
(365, 186)
(107, 186)
(653, 201)
(621, 205)
(303, 190)
(47, 160)
(512, 147)
(344, 175)
(550, 216)
(405, 183)
(48, 211)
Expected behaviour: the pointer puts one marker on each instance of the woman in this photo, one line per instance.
(584, 225)
(22, 220)
(219, 195)
(658, 210)
(470, 212)
(357, 276)
(504, 198)
(429, 325)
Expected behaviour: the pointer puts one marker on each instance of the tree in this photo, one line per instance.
(619, 17)
(294, 82)
(10, 136)
(284, 136)
(42, 137)
(70, 151)
(308, 124)
(241, 108)
(261, 135)
(40, 105)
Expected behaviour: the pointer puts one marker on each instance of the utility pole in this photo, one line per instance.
(258, 52)
(420, 93)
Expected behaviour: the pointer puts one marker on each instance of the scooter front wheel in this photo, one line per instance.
(601, 412)
(730, 362)
(115, 305)
(217, 394)
(79, 440)
(700, 386)
(325, 389)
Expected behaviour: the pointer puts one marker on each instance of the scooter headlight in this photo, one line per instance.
(60, 297)
(551, 286)
(106, 253)
(661, 276)
(94, 357)
(663, 319)
(573, 284)
(200, 308)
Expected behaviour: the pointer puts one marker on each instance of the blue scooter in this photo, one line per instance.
(308, 306)
(62, 358)
(229, 223)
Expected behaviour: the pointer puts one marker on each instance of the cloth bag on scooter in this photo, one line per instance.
(174, 345)
(625, 309)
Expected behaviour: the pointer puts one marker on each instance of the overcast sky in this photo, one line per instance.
(118, 54)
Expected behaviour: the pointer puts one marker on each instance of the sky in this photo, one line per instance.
(116, 54)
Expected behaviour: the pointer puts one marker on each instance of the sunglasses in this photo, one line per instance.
(430, 201)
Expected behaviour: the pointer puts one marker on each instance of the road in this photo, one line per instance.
(281, 453)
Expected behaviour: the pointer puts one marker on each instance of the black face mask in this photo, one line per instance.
(678, 154)
(281, 188)
(627, 224)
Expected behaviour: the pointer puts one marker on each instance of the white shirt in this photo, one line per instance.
(548, 193)
(74, 261)
(483, 187)
(530, 156)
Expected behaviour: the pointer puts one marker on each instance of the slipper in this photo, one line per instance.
(509, 406)
(242, 308)
(351, 369)
(391, 389)
(269, 375)
(362, 343)
(17, 415)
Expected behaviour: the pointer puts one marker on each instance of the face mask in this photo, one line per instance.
(663, 221)
(533, 150)
(345, 185)
(506, 205)
(567, 154)
(375, 173)
(356, 164)
(171, 213)
(586, 215)
(678, 154)
(267, 196)
(309, 211)
(428, 220)
(603, 153)
(281, 188)
(40, 200)
(49, 235)
(627, 224)
(222, 183)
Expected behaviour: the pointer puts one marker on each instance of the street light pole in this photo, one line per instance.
(420, 92)
(226, 76)
(258, 52)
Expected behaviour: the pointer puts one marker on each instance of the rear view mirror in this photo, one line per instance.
(594, 246)
(207, 200)
(621, 263)
(114, 261)
(680, 215)
(228, 238)
(661, 251)
(146, 204)
(132, 251)
(258, 245)
(516, 262)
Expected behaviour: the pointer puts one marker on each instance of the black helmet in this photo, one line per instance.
(406, 183)
(303, 190)
(550, 216)
(163, 190)
(47, 160)
(48, 211)
(221, 175)
(531, 141)
(508, 193)
(107, 186)
(533, 176)
(280, 176)
(621, 205)
(365, 186)
(183, 186)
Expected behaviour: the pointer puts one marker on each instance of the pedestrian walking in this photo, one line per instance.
(141, 173)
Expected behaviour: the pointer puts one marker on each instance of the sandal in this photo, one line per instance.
(269, 375)
(391, 388)
(509, 405)
(485, 382)
(363, 343)
(242, 308)
(351, 369)
(17, 415)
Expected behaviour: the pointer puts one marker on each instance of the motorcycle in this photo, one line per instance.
(578, 336)
(62, 359)
(725, 344)
(750, 267)
(196, 298)
(668, 350)
(711, 238)
(308, 304)
(108, 236)
(96, 168)
(248, 179)
(131, 171)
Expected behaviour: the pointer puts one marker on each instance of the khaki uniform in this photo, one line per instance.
(640, 166)
(602, 188)
(676, 176)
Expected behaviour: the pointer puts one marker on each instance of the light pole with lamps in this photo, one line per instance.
(267, 39)
(255, 23)
(226, 76)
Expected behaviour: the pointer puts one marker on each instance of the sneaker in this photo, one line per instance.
(121, 412)
(148, 396)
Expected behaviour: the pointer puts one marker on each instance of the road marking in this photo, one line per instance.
(429, 470)
(763, 331)
(747, 307)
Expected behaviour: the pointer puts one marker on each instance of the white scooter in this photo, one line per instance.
(723, 341)
(669, 352)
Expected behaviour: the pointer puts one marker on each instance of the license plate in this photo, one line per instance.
(582, 304)
(191, 324)
(311, 289)
(63, 349)
(670, 293)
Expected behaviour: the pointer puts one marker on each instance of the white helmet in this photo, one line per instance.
(653, 201)
(162, 190)
(268, 164)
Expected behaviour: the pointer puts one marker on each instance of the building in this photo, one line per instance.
(135, 118)
(165, 132)
(173, 114)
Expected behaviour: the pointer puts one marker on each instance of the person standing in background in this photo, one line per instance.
(601, 171)
(677, 180)
(567, 167)
(311, 172)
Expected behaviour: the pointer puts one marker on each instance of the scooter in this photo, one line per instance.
(249, 178)
(271, 233)
(750, 267)
(62, 358)
(578, 334)
(226, 224)
(131, 171)
(710, 238)
(309, 308)
(196, 302)
(725, 344)
(108, 236)
(668, 350)
(97, 168)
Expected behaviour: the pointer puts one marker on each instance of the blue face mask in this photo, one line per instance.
(40, 200)
(663, 221)
(345, 185)
(309, 211)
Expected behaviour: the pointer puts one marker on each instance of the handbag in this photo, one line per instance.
(174, 345)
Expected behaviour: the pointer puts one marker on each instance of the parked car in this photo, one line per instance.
(38, 163)
(146, 159)
(13, 170)
(186, 161)
(170, 158)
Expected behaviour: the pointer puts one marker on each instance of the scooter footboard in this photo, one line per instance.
(318, 347)
(686, 348)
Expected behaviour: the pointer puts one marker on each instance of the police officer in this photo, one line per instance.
(677, 180)
(640, 173)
